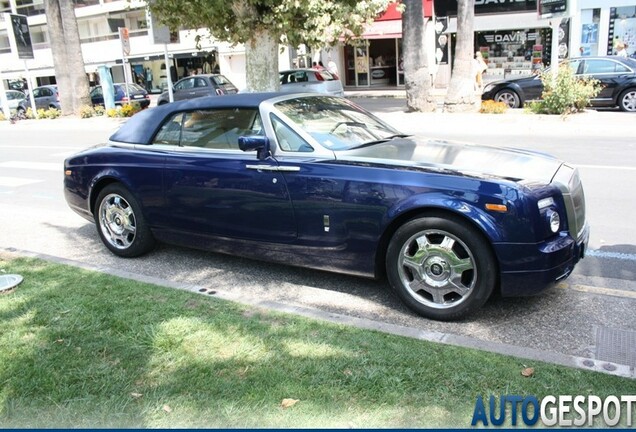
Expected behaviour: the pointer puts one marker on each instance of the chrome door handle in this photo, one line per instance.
(273, 168)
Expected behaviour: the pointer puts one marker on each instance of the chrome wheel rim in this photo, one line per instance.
(629, 101)
(437, 269)
(117, 221)
(508, 99)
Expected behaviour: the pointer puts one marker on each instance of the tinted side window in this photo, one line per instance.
(170, 132)
(37, 93)
(600, 66)
(219, 129)
(200, 82)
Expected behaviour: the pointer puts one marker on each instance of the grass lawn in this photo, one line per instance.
(83, 349)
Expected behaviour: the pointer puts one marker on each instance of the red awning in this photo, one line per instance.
(383, 30)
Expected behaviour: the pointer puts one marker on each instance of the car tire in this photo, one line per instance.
(509, 97)
(120, 222)
(441, 267)
(627, 100)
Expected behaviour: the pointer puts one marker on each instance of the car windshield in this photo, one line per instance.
(336, 124)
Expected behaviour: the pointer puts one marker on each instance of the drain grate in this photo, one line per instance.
(616, 346)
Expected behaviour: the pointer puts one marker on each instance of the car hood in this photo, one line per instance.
(463, 158)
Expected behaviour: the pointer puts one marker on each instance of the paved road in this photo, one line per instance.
(573, 319)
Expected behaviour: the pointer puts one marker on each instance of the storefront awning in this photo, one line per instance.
(383, 30)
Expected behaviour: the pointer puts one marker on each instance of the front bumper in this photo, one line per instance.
(528, 269)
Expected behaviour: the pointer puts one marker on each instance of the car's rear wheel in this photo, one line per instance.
(440, 267)
(509, 97)
(627, 100)
(120, 223)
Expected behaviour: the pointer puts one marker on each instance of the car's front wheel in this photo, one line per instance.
(627, 100)
(440, 267)
(509, 97)
(121, 224)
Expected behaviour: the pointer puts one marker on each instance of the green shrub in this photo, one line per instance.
(99, 110)
(493, 107)
(566, 94)
(112, 112)
(86, 111)
(2, 117)
(29, 113)
(53, 113)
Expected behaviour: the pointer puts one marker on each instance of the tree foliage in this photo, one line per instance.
(312, 22)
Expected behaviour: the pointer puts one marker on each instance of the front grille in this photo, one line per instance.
(569, 182)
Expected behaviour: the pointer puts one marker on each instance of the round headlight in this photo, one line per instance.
(554, 220)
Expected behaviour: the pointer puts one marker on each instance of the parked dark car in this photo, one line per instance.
(616, 74)
(316, 181)
(135, 94)
(197, 86)
(310, 81)
(46, 97)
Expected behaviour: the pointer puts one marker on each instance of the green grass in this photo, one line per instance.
(83, 349)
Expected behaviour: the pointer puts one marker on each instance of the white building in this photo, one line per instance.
(98, 22)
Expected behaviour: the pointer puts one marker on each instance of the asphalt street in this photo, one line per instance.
(579, 318)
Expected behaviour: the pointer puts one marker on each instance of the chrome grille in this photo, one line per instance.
(569, 182)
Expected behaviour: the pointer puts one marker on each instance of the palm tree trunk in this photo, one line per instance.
(60, 57)
(261, 54)
(417, 79)
(461, 96)
(77, 72)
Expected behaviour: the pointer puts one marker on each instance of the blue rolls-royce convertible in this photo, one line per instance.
(316, 181)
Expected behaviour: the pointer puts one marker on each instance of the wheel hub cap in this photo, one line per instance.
(437, 269)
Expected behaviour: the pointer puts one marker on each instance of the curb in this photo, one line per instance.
(362, 323)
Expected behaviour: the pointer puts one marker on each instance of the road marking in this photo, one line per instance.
(15, 181)
(613, 167)
(43, 166)
(614, 255)
(598, 290)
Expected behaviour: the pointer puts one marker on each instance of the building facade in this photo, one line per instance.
(509, 33)
(98, 22)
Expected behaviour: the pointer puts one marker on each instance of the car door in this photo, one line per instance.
(211, 187)
(610, 73)
(202, 88)
(184, 89)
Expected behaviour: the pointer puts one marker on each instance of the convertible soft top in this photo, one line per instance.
(141, 127)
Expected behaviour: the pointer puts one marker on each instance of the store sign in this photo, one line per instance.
(449, 7)
(19, 36)
(124, 38)
(550, 8)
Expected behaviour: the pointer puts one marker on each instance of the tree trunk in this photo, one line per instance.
(462, 96)
(60, 59)
(417, 79)
(77, 71)
(261, 54)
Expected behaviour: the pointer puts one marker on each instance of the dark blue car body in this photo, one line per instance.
(338, 209)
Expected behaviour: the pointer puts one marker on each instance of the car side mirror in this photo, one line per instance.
(258, 143)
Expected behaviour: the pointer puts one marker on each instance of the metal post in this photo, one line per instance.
(168, 74)
(3, 98)
(30, 88)
(554, 55)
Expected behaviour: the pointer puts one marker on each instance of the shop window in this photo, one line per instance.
(622, 29)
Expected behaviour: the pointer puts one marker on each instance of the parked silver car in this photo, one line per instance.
(16, 99)
(310, 81)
